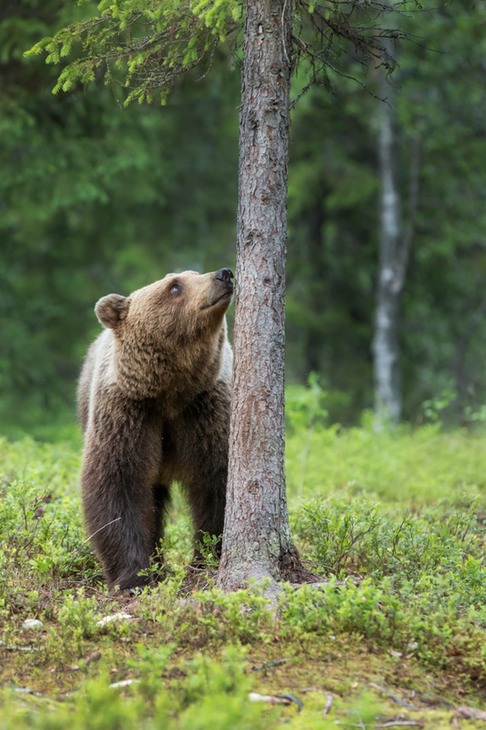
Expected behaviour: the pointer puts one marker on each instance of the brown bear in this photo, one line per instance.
(154, 405)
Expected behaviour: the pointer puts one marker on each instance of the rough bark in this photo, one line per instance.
(256, 539)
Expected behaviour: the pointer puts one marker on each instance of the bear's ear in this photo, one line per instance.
(112, 309)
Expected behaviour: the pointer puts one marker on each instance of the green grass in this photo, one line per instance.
(393, 520)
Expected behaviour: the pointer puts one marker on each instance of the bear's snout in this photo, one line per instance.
(225, 275)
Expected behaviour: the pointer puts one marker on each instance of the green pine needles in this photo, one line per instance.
(145, 46)
(142, 45)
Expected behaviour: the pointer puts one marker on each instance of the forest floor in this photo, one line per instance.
(394, 637)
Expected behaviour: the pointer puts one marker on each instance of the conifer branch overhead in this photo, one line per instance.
(146, 45)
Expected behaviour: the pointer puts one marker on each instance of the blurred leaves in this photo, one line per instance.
(96, 198)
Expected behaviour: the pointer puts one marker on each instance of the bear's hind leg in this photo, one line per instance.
(121, 511)
(122, 531)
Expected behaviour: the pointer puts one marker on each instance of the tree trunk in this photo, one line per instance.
(392, 264)
(256, 538)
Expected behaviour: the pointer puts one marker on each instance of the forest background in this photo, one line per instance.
(96, 198)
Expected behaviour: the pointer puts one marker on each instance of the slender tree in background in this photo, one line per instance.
(394, 250)
(391, 270)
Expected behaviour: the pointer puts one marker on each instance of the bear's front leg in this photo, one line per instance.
(207, 498)
(202, 435)
(121, 459)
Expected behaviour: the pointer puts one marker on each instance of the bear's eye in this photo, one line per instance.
(176, 288)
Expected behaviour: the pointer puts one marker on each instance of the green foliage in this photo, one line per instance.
(394, 523)
(433, 408)
(433, 625)
(146, 44)
(76, 621)
(240, 615)
(421, 576)
(95, 199)
(365, 540)
(212, 694)
(332, 229)
(403, 537)
(333, 207)
(216, 695)
(395, 466)
(40, 521)
(306, 407)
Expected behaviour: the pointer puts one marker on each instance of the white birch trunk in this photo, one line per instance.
(392, 264)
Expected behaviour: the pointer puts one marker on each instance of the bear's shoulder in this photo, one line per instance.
(99, 369)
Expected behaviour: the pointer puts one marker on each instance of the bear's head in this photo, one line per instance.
(169, 336)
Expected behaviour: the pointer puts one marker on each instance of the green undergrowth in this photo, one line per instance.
(392, 522)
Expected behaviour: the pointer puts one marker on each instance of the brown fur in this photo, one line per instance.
(154, 402)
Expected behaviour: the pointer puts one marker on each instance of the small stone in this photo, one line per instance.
(113, 617)
(32, 624)
(95, 656)
(122, 683)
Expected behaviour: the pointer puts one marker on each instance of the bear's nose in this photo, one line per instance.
(224, 275)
